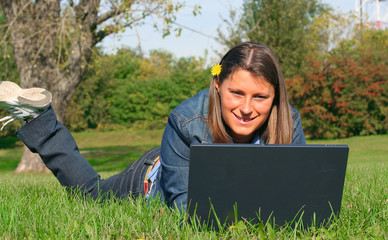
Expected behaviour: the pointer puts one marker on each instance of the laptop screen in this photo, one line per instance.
(280, 183)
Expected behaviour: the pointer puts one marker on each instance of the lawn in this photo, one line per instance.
(35, 206)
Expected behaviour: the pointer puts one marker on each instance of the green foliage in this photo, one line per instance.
(345, 94)
(282, 24)
(337, 73)
(8, 70)
(126, 90)
(326, 32)
(340, 94)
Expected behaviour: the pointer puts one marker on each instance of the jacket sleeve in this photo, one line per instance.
(175, 151)
(297, 131)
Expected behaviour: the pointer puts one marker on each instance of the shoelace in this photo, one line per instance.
(11, 118)
(17, 112)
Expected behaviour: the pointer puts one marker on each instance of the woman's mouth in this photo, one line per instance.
(244, 119)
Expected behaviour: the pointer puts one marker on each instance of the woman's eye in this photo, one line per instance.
(260, 97)
(237, 93)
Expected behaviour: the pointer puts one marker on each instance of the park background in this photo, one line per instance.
(335, 66)
(336, 70)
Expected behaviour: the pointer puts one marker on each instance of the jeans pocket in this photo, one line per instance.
(133, 177)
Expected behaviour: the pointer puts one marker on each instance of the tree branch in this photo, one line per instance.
(100, 35)
(139, 40)
(195, 31)
(114, 12)
(14, 17)
(82, 9)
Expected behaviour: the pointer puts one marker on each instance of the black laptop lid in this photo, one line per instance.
(279, 182)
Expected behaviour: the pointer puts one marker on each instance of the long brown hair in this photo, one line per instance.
(260, 61)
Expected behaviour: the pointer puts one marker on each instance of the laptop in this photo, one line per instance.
(281, 184)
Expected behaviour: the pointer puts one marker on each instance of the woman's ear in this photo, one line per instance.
(217, 86)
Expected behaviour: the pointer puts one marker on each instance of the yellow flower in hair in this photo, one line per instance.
(216, 70)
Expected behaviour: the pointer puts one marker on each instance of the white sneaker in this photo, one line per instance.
(24, 104)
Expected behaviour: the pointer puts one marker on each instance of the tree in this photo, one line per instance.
(346, 93)
(326, 31)
(53, 40)
(126, 90)
(282, 24)
(8, 71)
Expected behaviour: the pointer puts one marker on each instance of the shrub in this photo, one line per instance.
(340, 97)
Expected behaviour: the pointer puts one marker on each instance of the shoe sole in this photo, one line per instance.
(36, 97)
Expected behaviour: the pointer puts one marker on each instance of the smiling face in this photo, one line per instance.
(246, 102)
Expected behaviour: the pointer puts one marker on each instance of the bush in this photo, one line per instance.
(341, 97)
(126, 90)
(340, 94)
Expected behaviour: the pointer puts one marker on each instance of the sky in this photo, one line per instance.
(192, 43)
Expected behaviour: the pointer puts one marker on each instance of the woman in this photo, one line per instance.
(246, 103)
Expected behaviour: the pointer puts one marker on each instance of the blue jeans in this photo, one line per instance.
(58, 150)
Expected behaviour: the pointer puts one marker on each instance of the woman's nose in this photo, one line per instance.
(246, 107)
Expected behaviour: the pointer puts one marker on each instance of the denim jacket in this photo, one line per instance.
(186, 125)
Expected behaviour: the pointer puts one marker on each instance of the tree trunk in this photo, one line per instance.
(31, 162)
(44, 57)
(53, 46)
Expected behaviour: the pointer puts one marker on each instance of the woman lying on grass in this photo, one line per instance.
(246, 103)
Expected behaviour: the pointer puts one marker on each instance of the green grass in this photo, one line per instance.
(106, 151)
(35, 206)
